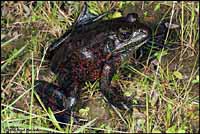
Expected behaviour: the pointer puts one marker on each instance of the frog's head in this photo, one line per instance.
(129, 34)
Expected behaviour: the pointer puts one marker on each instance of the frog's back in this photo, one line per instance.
(82, 55)
(84, 43)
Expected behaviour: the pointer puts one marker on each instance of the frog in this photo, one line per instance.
(92, 50)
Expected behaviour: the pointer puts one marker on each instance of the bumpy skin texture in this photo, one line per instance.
(89, 53)
(92, 52)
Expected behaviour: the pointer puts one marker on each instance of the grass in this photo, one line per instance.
(166, 98)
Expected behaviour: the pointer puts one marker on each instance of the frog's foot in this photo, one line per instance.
(53, 97)
(65, 117)
(86, 17)
(114, 95)
(116, 98)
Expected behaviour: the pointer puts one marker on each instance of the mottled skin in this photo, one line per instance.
(89, 53)
(95, 51)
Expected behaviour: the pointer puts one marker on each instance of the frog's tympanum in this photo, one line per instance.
(91, 50)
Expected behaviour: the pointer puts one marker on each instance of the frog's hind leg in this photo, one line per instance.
(86, 17)
(53, 97)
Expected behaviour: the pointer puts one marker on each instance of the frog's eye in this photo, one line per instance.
(124, 34)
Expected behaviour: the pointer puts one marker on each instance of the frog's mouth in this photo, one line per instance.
(136, 40)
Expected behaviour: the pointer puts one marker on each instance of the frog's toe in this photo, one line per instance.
(127, 106)
(124, 105)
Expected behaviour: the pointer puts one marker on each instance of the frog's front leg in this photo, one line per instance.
(114, 95)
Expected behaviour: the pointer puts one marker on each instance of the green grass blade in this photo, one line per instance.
(85, 126)
(9, 60)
